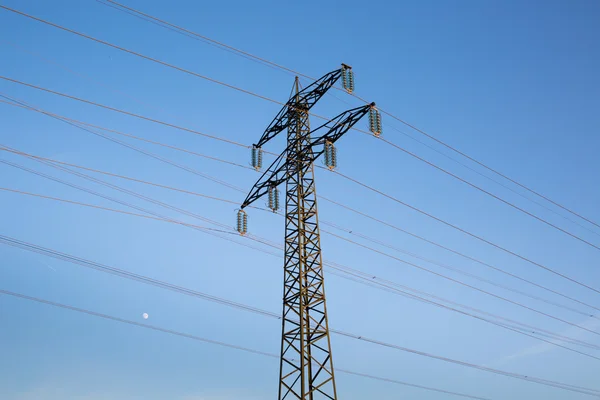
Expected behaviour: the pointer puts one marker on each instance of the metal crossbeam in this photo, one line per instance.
(307, 97)
(276, 174)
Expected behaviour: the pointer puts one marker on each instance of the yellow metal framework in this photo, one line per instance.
(306, 366)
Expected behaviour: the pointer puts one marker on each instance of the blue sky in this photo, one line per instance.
(512, 83)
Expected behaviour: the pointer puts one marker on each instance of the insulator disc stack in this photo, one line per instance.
(350, 81)
(257, 155)
(333, 157)
(242, 222)
(273, 198)
(347, 78)
(330, 155)
(375, 121)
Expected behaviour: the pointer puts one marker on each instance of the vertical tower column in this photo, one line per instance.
(306, 368)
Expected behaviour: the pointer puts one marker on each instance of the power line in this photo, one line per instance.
(550, 224)
(139, 54)
(206, 39)
(194, 215)
(195, 37)
(359, 130)
(467, 285)
(124, 112)
(491, 169)
(507, 323)
(385, 223)
(16, 103)
(121, 176)
(144, 153)
(325, 222)
(505, 186)
(143, 197)
(140, 278)
(351, 179)
(159, 158)
(457, 270)
(189, 225)
(238, 189)
(122, 190)
(361, 275)
(228, 345)
(51, 61)
(210, 231)
(465, 231)
(76, 123)
(112, 209)
(354, 273)
(334, 225)
(134, 148)
(344, 269)
(120, 92)
(522, 210)
(278, 102)
(190, 33)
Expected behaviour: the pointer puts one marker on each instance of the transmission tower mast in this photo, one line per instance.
(306, 366)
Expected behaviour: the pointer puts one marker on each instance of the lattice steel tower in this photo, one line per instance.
(306, 366)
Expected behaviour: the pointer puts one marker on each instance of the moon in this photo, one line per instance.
(145, 315)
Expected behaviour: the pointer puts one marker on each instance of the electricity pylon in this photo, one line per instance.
(306, 366)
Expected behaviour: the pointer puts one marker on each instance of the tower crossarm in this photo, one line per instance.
(338, 126)
(276, 173)
(307, 98)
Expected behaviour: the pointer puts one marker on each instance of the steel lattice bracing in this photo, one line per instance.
(306, 370)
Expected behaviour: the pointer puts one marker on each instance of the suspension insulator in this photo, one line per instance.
(257, 156)
(273, 198)
(375, 121)
(347, 78)
(333, 157)
(350, 81)
(242, 222)
(330, 155)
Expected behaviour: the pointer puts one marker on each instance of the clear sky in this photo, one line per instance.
(513, 83)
